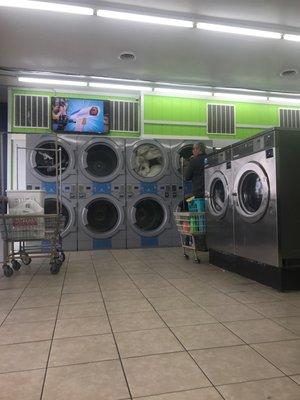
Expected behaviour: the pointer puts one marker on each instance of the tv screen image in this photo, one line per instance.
(79, 115)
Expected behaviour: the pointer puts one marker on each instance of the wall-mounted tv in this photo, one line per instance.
(79, 115)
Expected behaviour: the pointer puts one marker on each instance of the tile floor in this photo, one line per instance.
(148, 325)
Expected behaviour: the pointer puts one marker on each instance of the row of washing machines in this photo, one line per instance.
(116, 193)
(253, 208)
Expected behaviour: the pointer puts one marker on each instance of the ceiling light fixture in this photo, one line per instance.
(293, 38)
(239, 30)
(120, 87)
(51, 81)
(233, 96)
(284, 100)
(45, 6)
(150, 19)
(182, 92)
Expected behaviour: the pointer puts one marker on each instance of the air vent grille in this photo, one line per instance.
(124, 116)
(289, 118)
(31, 111)
(220, 119)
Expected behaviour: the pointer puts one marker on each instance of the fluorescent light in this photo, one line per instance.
(51, 81)
(233, 96)
(144, 18)
(182, 92)
(41, 5)
(293, 38)
(284, 100)
(238, 30)
(120, 87)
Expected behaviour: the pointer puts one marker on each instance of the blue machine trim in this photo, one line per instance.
(49, 187)
(149, 241)
(99, 244)
(148, 188)
(104, 188)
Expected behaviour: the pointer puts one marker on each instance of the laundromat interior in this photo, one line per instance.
(149, 200)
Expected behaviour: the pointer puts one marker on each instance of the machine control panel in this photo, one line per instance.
(258, 143)
(218, 158)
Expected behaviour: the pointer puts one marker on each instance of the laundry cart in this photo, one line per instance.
(29, 231)
(191, 227)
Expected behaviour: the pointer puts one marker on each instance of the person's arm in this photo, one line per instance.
(189, 171)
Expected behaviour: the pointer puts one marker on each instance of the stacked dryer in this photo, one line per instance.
(148, 183)
(41, 175)
(101, 193)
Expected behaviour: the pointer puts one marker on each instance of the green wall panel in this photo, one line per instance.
(158, 109)
(62, 94)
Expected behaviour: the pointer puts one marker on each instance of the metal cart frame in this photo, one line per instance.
(191, 227)
(37, 235)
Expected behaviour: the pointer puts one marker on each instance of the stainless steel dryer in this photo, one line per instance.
(101, 193)
(219, 213)
(148, 185)
(41, 164)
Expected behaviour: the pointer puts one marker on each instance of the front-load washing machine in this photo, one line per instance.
(181, 153)
(219, 213)
(101, 193)
(148, 186)
(41, 165)
(266, 210)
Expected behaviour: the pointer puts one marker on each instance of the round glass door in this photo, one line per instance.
(148, 161)
(183, 158)
(218, 195)
(45, 159)
(252, 192)
(102, 216)
(149, 215)
(101, 160)
(51, 208)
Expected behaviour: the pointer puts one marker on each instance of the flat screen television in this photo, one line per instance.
(79, 115)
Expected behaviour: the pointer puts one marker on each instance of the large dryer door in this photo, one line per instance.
(102, 217)
(181, 157)
(149, 216)
(251, 192)
(67, 211)
(102, 160)
(148, 161)
(44, 161)
(218, 195)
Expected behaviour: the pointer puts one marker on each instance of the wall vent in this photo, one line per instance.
(289, 118)
(31, 111)
(221, 119)
(124, 116)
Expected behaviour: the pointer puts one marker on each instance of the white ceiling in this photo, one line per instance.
(44, 41)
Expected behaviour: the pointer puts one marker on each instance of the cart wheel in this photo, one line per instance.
(197, 260)
(16, 265)
(26, 260)
(186, 256)
(8, 271)
(62, 257)
(54, 268)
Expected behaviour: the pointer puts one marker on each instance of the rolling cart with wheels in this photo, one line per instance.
(192, 228)
(38, 236)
